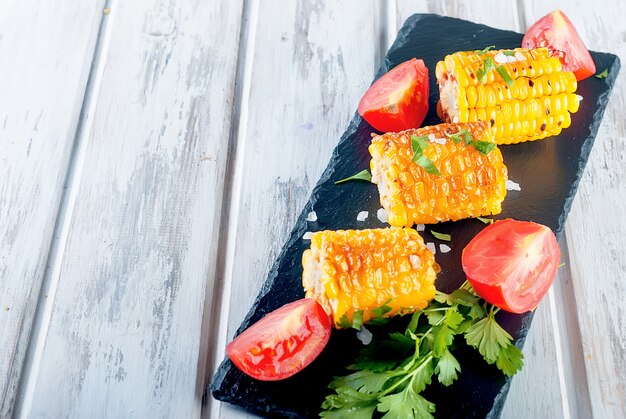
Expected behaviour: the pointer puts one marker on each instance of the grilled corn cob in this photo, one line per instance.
(359, 271)
(537, 103)
(471, 184)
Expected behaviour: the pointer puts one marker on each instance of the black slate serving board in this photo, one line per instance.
(548, 172)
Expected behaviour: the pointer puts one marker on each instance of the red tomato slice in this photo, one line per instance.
(283, 342)
(511, 264)
(399, 99)
(556, 32)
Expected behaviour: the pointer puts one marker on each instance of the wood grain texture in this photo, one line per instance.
(536, 389)
(597, 222)
(44, 74)
(124, 336)
(310, 65)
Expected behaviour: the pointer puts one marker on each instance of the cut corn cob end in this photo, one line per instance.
(536, 105)
(471, 184)
(350, 271)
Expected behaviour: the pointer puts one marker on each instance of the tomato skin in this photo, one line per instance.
(398, 100)
(512, 264)
(556, 32)
(283, 342)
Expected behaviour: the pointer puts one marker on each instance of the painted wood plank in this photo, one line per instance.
(46, 51)
(535, 390)
(309, 66)
(597, 223)
(124, 337)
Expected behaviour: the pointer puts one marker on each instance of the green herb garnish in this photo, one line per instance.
(483, 147)
(509, 53)
(485, 220)
(505, 75)
(486, 50)
(441, 236)
(362, 175)
(489, 66)
(390, 373)
(464, 135)
(603, 75)
(418, 145)
(561, 265)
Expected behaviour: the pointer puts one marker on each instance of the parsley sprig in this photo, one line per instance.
(464, 135)
(362, 175)
(489, 65)
(390, 374)
(419, 143)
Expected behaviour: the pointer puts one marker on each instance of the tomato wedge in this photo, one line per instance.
(283, 342)
(511, 264)
(556, 32)
(399, 99)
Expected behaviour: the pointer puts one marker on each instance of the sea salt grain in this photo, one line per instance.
(364, 335)
(362, 216)
(307, 236)
(312, 216)
(444, 248)
(431, 247)
(512, 186)
(420, 227)
(381, 215)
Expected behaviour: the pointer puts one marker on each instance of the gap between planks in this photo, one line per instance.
(51, 278)
(214, 335)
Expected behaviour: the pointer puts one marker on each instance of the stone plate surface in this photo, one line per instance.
(548, 172)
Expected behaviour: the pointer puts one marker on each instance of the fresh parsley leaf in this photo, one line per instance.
(488, 337)
(406, 404)
(488, 67)
(486, 49)
(418, 145)
(485, 220)
(483, 147)
(362, 175)
(360, 412)
(504, 74)
(447, 368)
(510, 360)
(357, 320)
(603, 75)
(462, 135)
(443, 298)
(453, 318)
(442, 338)
(364, 381)
(441, 236)
(382, 310)
(344, 322)
(509, 53)
(415, 317)
(464, 297)
(434, 317)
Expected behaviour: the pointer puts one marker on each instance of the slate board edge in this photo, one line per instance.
(301, 226)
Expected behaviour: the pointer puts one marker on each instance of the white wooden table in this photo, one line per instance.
(154, 156)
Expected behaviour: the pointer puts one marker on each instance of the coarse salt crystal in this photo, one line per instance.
(364, 335)
(381, 215)
(420, 227)
(519, 56)
(362, 216)
(307, 236)
(579, 97)
(500, 58)
(431, 247)
(444, 248)
(312, 216)
(512, 186)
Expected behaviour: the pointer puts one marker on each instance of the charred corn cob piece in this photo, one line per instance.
(470, 183)
(368, 273)
(535, 104)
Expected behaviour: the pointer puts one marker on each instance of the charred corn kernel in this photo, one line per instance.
(471, 184)
(362, 270)
(518, 112)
